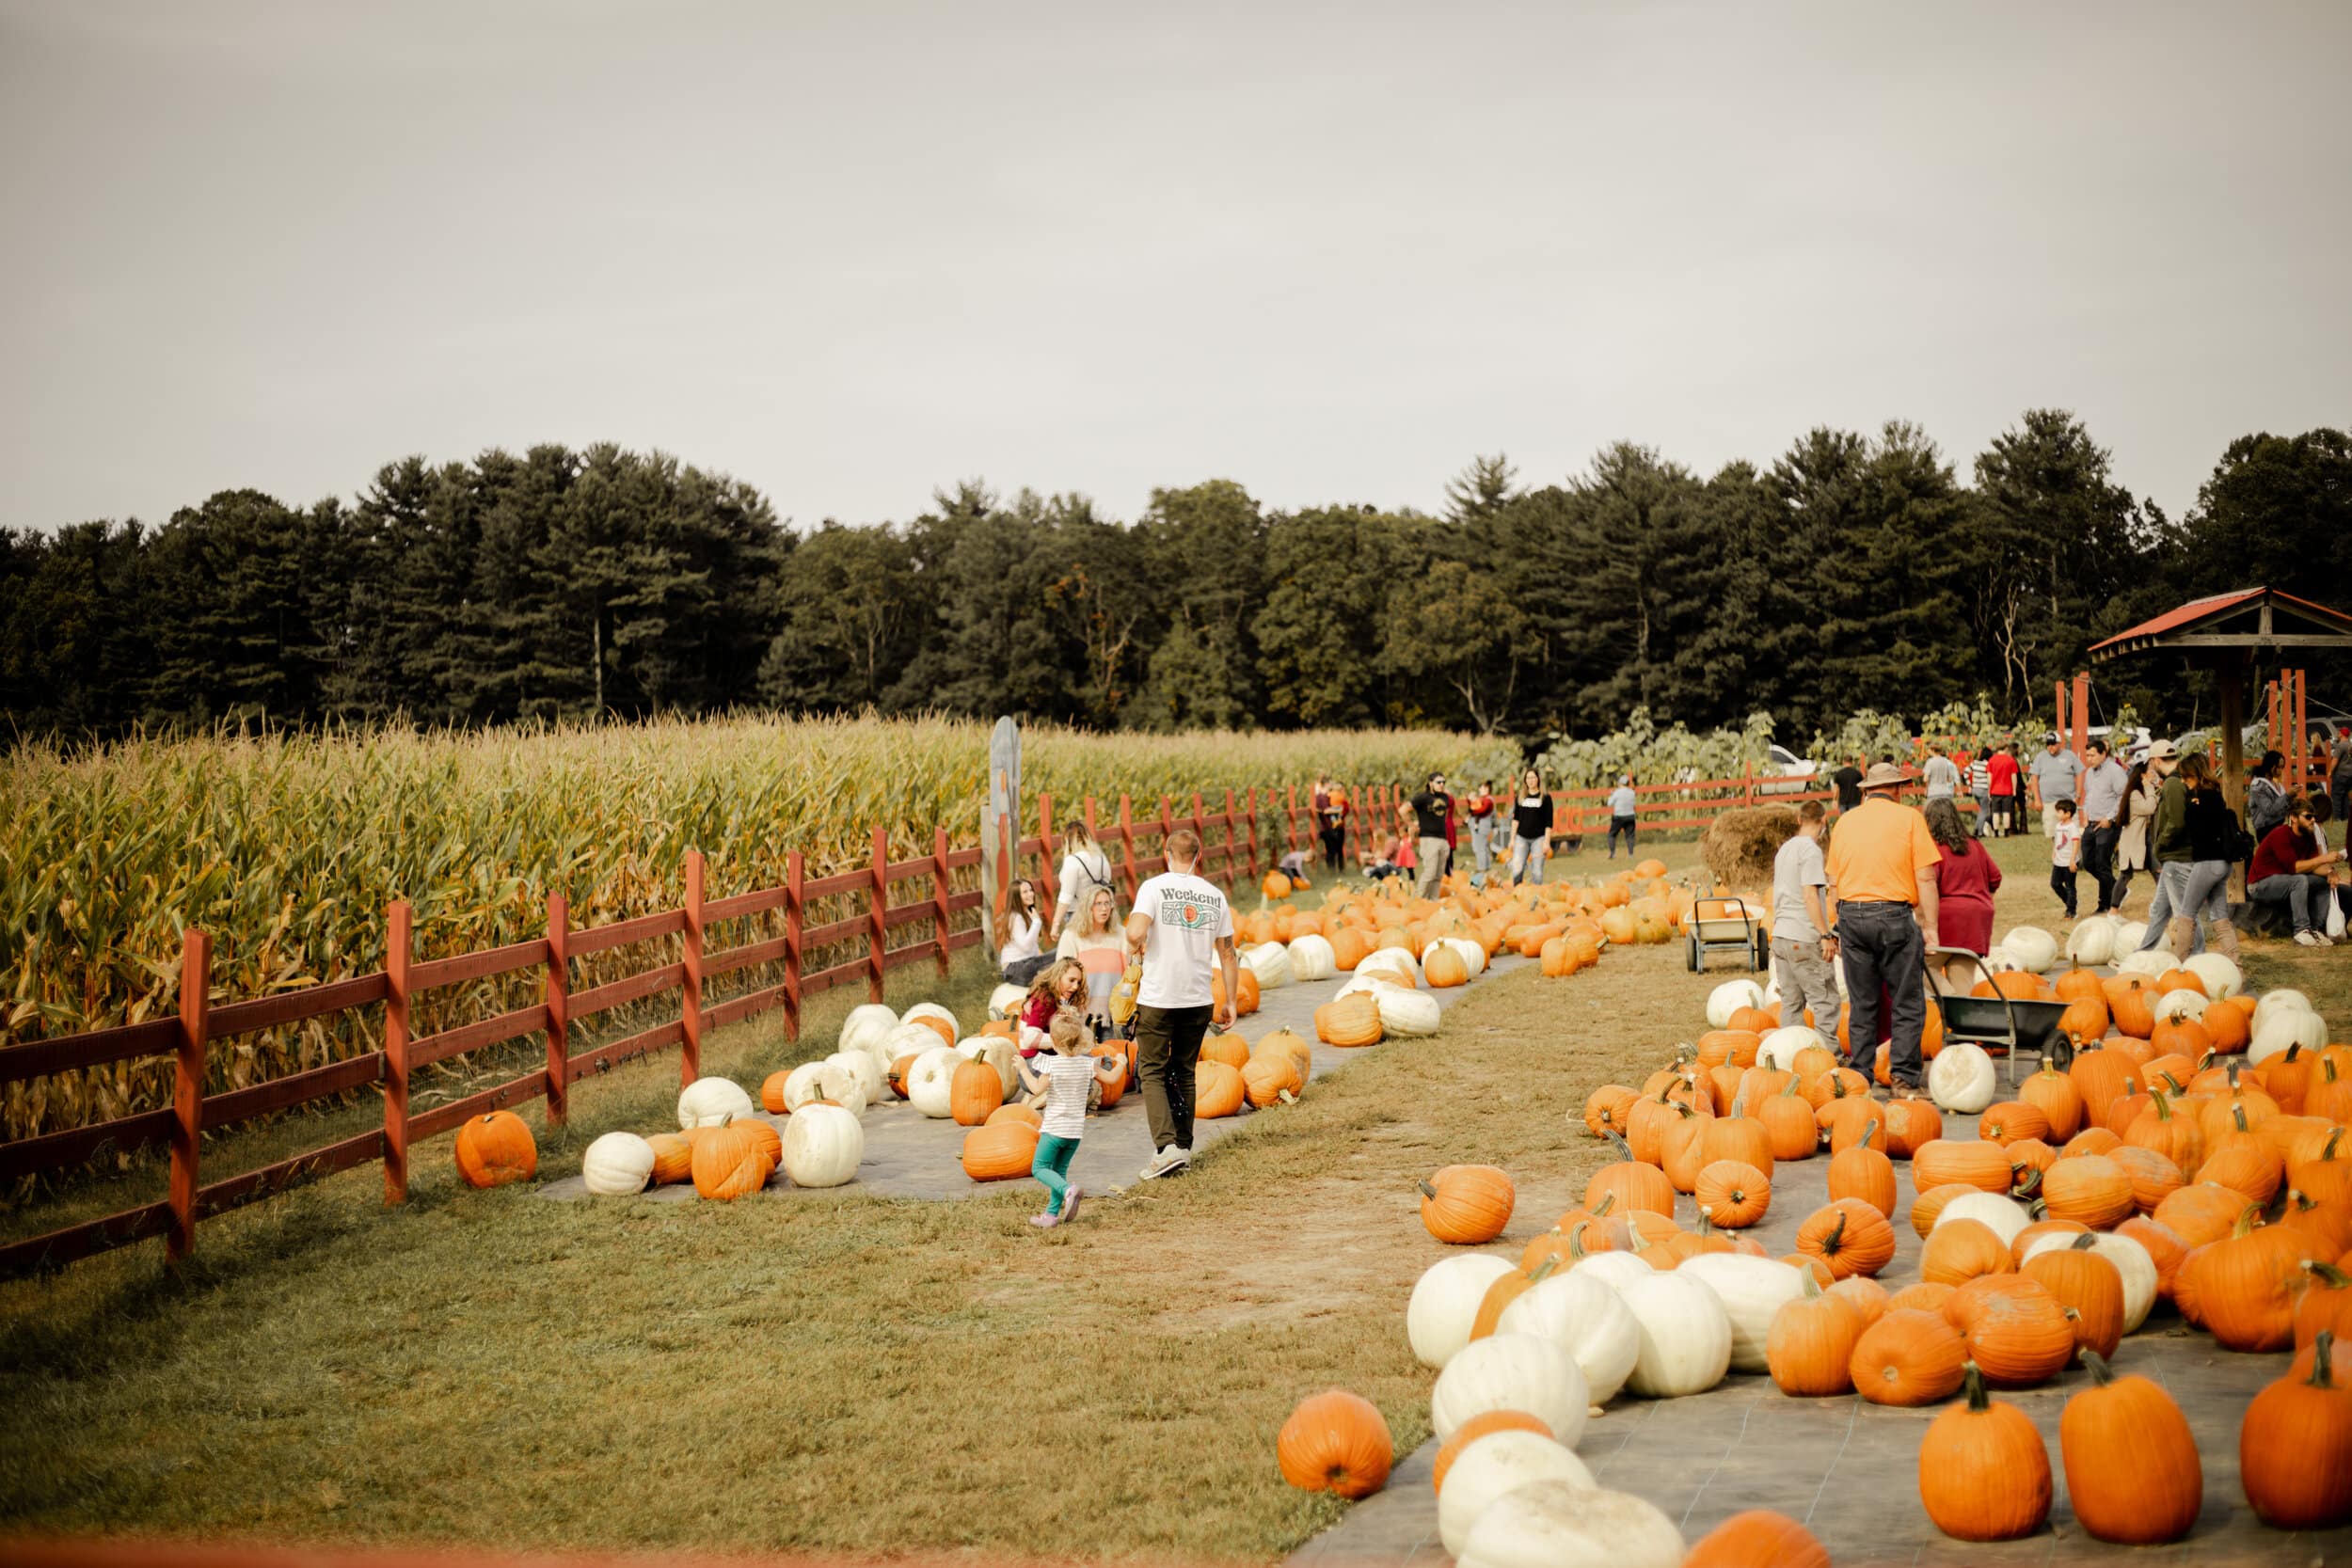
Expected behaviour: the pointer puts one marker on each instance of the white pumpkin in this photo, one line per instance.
(851, 1078)
(2151, 961)
(931, 1081)
(1613, 1268)
(1445, 1305)
(1582, 1314)
(1494, 1465)
(998, 1053)
(1006, 1000)
(2129, 934)
(1771, 992)
(2131, 1261)
(1780, 1046)
(1511, 1372)
(907, 1039)
(1395, 959)
(867, 1026)
(1557, 1524)
(2000, 961)
(2001, 1215)
(1312, 958)
(708, 1103)
(1406, 1012)
(2284, 999)
(823, 1146)
(804, 1085)
(2036, 948)
(2176, 1004)
(1960, 1079)
(2221, 976)
(2092, 941)
(931, 1010)
(1270, 961)
(617, 1164)
(1686, 1335)
(1751, 1290)
(2285, 1027)
(1728, 998)
(1474, 955)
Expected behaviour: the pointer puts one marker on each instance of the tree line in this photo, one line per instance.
(1855, 571)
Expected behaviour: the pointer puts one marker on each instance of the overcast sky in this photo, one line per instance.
(851, 253)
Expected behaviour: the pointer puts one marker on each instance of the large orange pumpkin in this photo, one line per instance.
(1335, 1442)
(495, 1149)
(1466, 1205)
(731, 1160)
(973, 1092)
(1349, 1021)
(999, 1150)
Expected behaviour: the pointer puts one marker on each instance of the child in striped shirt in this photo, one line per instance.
(1070, 1075)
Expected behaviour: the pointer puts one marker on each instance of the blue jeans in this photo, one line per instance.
(1880, 945)
(1052, 1166)
(1482, 850)
(1527, 859)
(1984, 811)
(2193, 891)
(1620, 825)
(2300, 891)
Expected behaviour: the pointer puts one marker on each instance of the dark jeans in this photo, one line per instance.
(1883, 947)
(1168, 1048)
(1620, 825)
(2304, 894)
(1335, 849)
(2062, 883)
(2099, 860)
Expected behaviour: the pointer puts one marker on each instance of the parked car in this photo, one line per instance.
(1792, 774)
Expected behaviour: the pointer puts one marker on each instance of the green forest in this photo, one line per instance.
(1854, 571)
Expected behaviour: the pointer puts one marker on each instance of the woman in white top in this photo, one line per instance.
(1084, 868)
(1017, 932)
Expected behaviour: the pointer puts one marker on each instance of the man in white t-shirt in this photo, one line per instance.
(1183, 929)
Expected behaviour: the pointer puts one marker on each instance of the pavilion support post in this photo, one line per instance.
(2230, 676)
(2082, 714)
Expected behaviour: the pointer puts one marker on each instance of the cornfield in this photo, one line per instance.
(287, 847)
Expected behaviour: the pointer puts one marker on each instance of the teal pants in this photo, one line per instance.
(1052, 1166)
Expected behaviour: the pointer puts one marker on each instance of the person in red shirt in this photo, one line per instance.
(2289, 868)
(2004, 767)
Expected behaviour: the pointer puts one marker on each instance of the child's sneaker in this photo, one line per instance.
(1069, 1204)
(1043, 1222)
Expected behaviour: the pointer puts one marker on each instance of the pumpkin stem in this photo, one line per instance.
(1867, 1128)
(2323, 1359)
(2239, 1113)
(2085, 1241)
(1426, 1190)
(2327, 1149)
(1608, 1201)
(2327, 1273)
(1837, 1232)
(1625, 1150)
(2247, 1221)
(2049, 1065)
(1812, 1283)
(1551, 1261)
(2030, 1185)
(2098, 1366)
(1973, 1381)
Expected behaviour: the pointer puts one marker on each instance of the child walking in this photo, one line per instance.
(2066, 846)
(1071, 1076)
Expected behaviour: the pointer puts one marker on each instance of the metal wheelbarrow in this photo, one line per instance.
(1727, 925)
(2012, 1027)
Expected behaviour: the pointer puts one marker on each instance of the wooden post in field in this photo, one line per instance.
(939, 896)
(1127, 847)
(877, 931)
(1049, 884)
(1256, 871)
(1167, 826)
(1201, 831)
(399, 952)
(1232, 844)
(691, 1017)
(187, 1089)
(559, 1002)
(793, 924)
(1289, 818)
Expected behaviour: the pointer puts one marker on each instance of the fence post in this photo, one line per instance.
(939, 895)
(399, 951)
(877, 930)
(1747, 777)
(1167, 826)
(792, 927)
(1232, 844)
(1254, 871)
(1046, 879)
(1201, 831)
(187, 1089)
(690, 1019)
(559, 1001)
(1127, 846)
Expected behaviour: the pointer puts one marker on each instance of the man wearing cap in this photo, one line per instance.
(2054, 774)
(1882, 873)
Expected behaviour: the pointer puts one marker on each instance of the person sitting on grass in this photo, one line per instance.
(2290, 869)
(1073, 1081)
(1377, 861)
(1061, 989)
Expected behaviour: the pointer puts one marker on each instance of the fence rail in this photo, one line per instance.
(1249, 835)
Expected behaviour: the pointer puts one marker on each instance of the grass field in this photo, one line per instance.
(864, 1374)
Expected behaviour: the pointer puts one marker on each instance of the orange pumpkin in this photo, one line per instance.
(999, 1150)
(974, 1091)
(1335, 1442)
(1466, 1205)
(731, 1160)
(496, 1148)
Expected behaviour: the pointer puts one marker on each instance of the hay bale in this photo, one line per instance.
(1738, 846)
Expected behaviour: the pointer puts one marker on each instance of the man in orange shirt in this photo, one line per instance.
(1882, 894)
